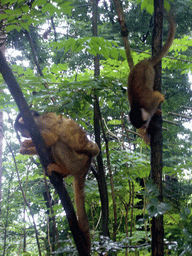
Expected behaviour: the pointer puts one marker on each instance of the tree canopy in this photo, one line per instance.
(51, 50)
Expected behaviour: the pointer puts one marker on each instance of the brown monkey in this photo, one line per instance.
(144, 101)
(72, 153)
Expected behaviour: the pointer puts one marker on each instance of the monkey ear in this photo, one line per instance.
(144, 114)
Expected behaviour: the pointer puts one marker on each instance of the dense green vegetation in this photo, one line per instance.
(64, 71)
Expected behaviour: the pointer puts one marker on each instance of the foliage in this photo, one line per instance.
(66, 60)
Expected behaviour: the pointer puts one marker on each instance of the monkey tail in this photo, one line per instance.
(168, 42)
(83, 222)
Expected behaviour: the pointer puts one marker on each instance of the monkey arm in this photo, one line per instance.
(28, 148)
(152, 105)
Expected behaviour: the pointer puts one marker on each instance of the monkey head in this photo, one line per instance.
(139, 117)
(20, 125)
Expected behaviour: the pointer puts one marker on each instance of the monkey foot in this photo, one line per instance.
(53, 167)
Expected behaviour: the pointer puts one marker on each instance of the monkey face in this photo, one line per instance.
(139, 117)
(20, 125)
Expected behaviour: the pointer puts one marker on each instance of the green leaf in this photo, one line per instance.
(7, 2)
(66, 7)
(114, 122)
(24, 25)
(3, 16)
(39, 3)
(150, 8)
(105, 52)
(17, 12)
(25, 8)
(12, 27)
(69, 44)
(114, 53)
(148, 5)
(92, 51)
(110, 103)
(49, 8)
(167, 5)
(144, 4)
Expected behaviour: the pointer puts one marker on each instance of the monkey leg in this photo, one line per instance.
(28, 151)
(58, 168)
(53, 167)
(49, 137)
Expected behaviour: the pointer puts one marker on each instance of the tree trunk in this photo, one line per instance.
(101, 175)
(2, 49)
(156, 135)
(1, 152)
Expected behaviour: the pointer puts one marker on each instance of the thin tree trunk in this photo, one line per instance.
(1, 152)
(101, 175)
(54, 29)
(7, 216)
(2, 49)
(156, 136)
(24, 229)
(24, 215)
(25, 201)
(111, 177)
(35, 58)
(33, 51)
(132, 208)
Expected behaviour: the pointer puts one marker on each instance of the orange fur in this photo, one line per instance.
(72, 153)
(144, 101)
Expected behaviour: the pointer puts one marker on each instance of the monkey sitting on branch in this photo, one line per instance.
(72, 153)
(144, 101)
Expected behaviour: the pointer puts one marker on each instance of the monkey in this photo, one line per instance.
(72, 153)
(144, 101)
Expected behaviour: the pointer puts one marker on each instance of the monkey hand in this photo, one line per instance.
(27, 144)
(143, 133)
(28, 148)
(158, 112)
(157, 98)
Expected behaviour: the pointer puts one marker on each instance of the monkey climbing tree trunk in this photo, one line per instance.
(156, 135)
(45, 157)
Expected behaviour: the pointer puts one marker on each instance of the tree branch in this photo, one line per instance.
(45, 156)
(124, 31)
